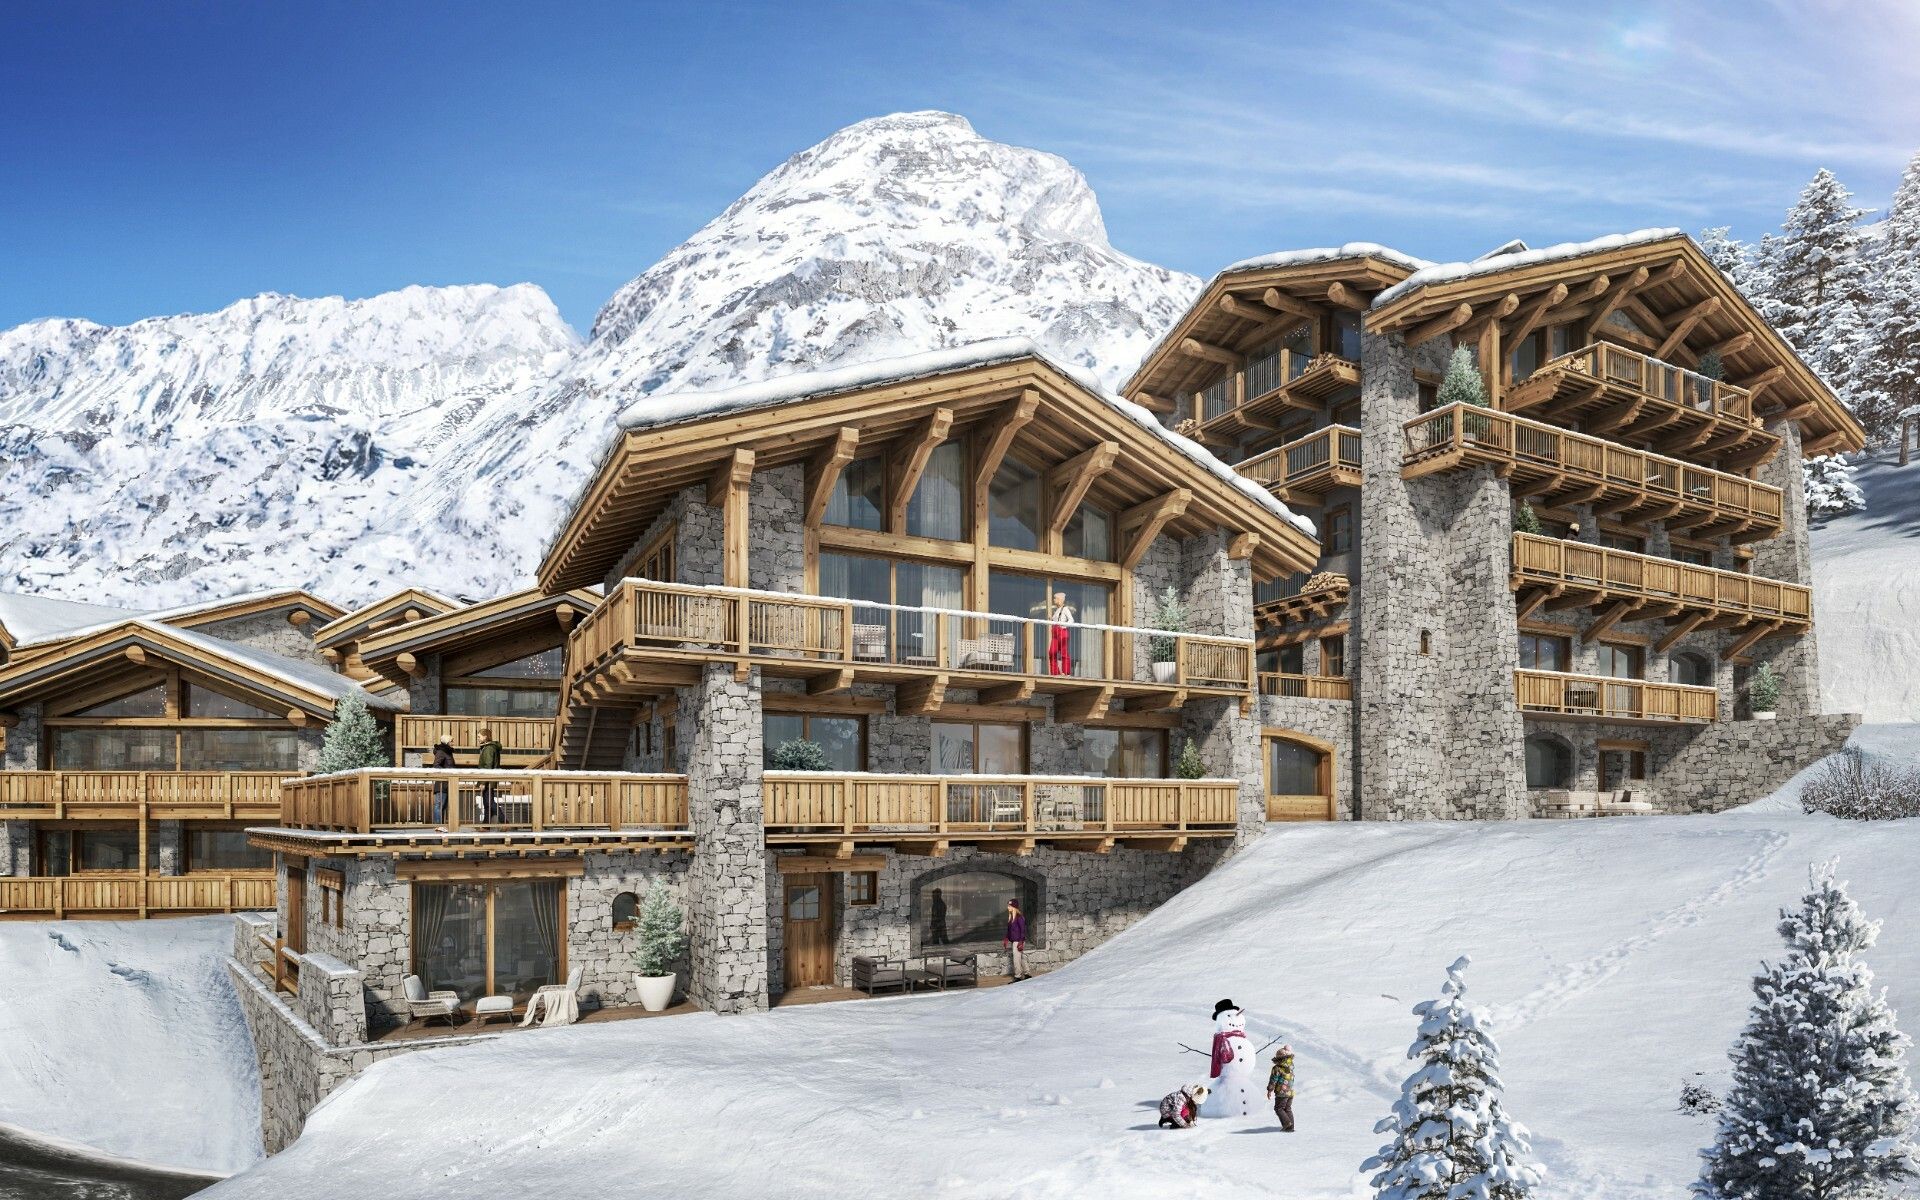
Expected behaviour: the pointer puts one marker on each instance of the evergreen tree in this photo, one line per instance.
(1452, 1138)
(1903, 215)
(1820, 1107)
(1820, 280)
(1889, 374)
(1190, 766)
(662, 941)
(1726, 252)
(353, 740)
(1830, 487)
(799, 754)
(1462, 384)
(1525, 520)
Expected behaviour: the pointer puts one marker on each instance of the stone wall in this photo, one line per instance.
(1789, 556)
(699, 540)
(166, 847)
(1327, 720)
(726, 905)
(269, 631)
(16, 847)
(423, 689)
(605, 954)
(1731, 763)
(23, 740)
(776, 530)
(374, 931)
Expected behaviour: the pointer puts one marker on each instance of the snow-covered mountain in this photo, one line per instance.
(435, 436)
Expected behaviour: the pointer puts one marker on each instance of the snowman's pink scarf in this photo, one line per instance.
(1222, 1050)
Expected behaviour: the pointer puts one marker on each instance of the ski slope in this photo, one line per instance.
(1615, 955)
(1866, 596)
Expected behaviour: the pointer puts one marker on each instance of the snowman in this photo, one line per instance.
(1235, 1087)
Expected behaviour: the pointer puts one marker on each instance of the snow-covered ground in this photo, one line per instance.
(126, 1037)
(1866, 596)
(1615, 954)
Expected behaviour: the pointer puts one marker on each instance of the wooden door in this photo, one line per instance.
(809, 930)
(297, 909)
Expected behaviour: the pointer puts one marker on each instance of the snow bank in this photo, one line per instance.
(125, 1036)
(1866, 596)
(1489, 264)
(1615, 954)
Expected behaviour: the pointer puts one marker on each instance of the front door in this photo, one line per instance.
(809, 930)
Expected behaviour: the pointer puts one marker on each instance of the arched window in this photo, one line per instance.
(968, 908)
(1549, 762)
(1299, 777)
(1691, 669)
(626, 910)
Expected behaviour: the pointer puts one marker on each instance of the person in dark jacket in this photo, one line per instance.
(442, 761)
(937, 922)
(489, 761)
(1016, 940)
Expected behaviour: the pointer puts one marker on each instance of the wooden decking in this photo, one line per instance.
(1636, 396)
(132, 795)
(30, 897)
(1605, 698)
(1560, 467)
(1306, 687)
(398, 799)
(833, 993)
(1304, 470)
(416, 1031)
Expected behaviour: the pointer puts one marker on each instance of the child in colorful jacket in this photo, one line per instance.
(1280, 1087)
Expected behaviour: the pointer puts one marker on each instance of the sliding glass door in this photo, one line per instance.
(503, 938)
(885, 634)
(1065, 649)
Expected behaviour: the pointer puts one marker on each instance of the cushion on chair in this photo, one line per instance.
(416, 991)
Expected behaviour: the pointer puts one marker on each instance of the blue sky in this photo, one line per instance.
(175, 157)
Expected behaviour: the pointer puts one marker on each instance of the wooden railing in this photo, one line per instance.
(1324, 450)
(524, 736)
(802, 802)
(1486, 435)
(1553, 561)
(400, 798)
(1648, 376)
(124, 795)
(1603, 696)
(1308, 687)
(738, 622)
(77, 895)
(1262, 376)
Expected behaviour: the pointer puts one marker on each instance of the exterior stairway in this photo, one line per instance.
(590, 737)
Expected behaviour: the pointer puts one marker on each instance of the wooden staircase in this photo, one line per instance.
(591, 737)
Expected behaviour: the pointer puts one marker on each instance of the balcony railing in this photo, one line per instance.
(397, 798)
(1306, 687)
(1465, 434)
(127, 795)
(1322, 459)
(736, 622)
(1606, 698)
(816, 803)
(519, 737)
(90, 895)
(1578, 566)
(1646, 377)
(1272, 382)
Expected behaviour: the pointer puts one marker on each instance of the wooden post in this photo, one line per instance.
(1027, 805)
(537, 803)
(1180, 804)
(1026, 648)
(365, 802)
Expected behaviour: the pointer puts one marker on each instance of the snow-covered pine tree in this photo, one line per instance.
(1726, 252)
(1820, 1107)
(353, 740)
(1903, 215)
(1462, 384)
(1889, 374)
(1830, 487)
(662, 940)
(1452, 1138)
(1822, 283)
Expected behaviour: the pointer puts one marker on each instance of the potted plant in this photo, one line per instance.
(1525, 520)
(661, 944)
(1170, 616)
(1764, 692)
(800, 755)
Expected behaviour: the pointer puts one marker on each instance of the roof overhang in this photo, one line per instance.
(319, 612)
(521, 615)
(381, 613)
(645, 467)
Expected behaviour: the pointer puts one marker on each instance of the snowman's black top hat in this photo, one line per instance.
(1221, 1007)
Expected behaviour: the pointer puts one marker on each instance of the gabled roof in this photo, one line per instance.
(192, 616)
(28, 621)
(388, 610)
(665, 444)
(307, 687)
(391, 651)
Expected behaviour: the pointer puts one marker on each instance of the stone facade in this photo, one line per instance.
(23, 740)
(603, 952)
(727, 885)
(776, 530)
(423, 686)
(1328, 721)
(269, 631)
(16, 847)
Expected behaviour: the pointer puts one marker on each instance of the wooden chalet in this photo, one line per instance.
(338, 641)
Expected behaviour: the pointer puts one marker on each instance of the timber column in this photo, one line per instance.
(727, 884)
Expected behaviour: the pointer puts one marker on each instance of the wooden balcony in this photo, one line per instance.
(1304, 470)
(1260, 394)
(1306, 687)
(649, 637)
(388, 800)
(1009, 812)
(524, 741)
(1636, 587)
(131, 795)
(1603, 698)
(1559, 467)
(32, 897)
(1626, 394)
(1322, 594)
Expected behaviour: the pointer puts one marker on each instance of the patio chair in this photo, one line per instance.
(424, 1006)
(869, 643)
(952, 970)
(872, 974)
(1006, 807)
(993, 652)
(556, 1003)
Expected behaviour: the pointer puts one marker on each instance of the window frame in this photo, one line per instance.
(1339, 531)
(1026, 743)
(806, 718)
(1534, 638)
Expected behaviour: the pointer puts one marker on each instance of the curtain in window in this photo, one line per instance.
(429, 913)
(937, 508)
(546, 917)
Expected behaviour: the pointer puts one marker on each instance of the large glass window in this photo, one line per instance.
(113, 749)
(463, 701)
(547, 664)
(881, 634)
(938, 507)
(843, 739)
(1089, 534)
(970, 909)
(1549, 762)
(482, 939)
(1544, 652)
(63, 852)
(979, 748)
(147, 702)
(217, 849)
(205, 702)
(1691, 669)
(1339, 531)
(1346, 335)
(239, 750)
(1294, 769)
(858, 494)
(1013, 506)
(1124, 753)
(1621, 662)
(1286, 660)
(1074, 651)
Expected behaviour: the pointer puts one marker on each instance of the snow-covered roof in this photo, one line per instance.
(1299, 258)
(311, 677)
(32, 619)
(1490, 264)
(657, 410)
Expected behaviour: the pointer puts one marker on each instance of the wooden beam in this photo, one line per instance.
(813, 864)
(1146, 521)
(1826, 443)
(1596, 288)
(1683, 323)
(1733, 345)
(1346, 297)
(1248, 310)
(828, 682)
(1617, 295)
(408, 663)
(1068, 482)
(299, 617)
(1291, 305)
(1153, 403)
(1171, 845)
(1083, 845)
(1447, 321)
(1081, 705)
(909, 462)
(1487, 314)
(734, 471)
(1156, 701)
(950, 710)
(997, 438)
(823, 471)
(1798, 412)
(920, 697)
(1680, 629)
(791, 702)
(1531, 314)
(9, 720)
(1242, 546)
(1761, 379)
(297, 716)
(1745, 641)
(1531, 602)
(933, 849)
(136, 654)
(1007, 693)
(1209, 351)
(1608, 619)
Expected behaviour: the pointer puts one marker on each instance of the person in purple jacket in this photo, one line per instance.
(1016, 940)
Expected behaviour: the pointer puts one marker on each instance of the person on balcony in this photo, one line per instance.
(442, 761)
(1059, 647)
(489, 761)
(1016, 940)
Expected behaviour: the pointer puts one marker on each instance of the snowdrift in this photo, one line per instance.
(1615, 954)
(1866, 596)
(126, 1037)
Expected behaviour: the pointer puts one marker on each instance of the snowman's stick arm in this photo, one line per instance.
(1191, 1050)
(1268, 1046)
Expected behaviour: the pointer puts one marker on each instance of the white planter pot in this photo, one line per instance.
(656, 991)
(1163, 672)
(1763, 716)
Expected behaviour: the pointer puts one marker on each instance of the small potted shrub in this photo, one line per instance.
(1525, 520)
(1190, 766)
(1763, 694)
(662, 942)
(800, 755)
(1170, 616)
